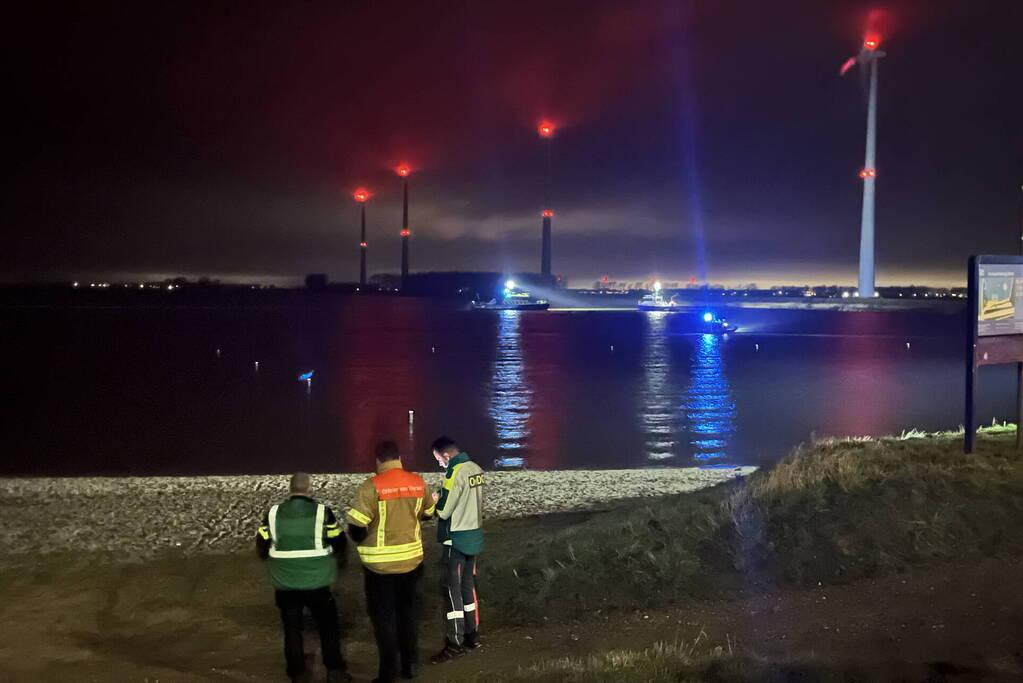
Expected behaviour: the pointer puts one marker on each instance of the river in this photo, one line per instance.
(215, 390)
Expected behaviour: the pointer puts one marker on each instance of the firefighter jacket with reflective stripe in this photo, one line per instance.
(300, 537)
(390, 507)
(460, 507)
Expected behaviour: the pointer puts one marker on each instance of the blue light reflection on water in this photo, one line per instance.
(658, 410)
(509, 395)
(708, 404)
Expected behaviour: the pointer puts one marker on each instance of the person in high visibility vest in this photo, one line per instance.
(384, 521)
(303, 544)
(460, 532)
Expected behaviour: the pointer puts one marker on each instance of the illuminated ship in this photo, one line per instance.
(512, 299)
(655, 301)
(705, 321)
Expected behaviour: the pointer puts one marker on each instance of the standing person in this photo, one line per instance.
(385, 523)
(460, 531)
(304, 544)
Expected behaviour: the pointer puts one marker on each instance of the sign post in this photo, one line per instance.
(994, 330)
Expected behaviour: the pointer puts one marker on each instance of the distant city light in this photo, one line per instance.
(510, 284)
(657, 286)
(75, 284)
(707, 317)
(845, 295)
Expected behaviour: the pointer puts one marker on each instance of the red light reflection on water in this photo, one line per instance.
(866, 390)
(546, 360)
(376, 379)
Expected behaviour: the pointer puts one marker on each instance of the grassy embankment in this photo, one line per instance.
(832, 512)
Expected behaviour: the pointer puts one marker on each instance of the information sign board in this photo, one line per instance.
(994, 327)
(1000, 299)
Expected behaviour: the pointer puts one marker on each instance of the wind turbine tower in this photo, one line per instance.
(868, 58)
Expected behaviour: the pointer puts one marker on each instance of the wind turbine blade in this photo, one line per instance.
(849, 63)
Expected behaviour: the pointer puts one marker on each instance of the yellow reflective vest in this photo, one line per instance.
(390, 507)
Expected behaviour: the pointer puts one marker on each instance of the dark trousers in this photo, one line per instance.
(324, 611)
(458, 587)
(393, 604)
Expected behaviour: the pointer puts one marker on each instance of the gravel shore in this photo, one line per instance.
(139, 516)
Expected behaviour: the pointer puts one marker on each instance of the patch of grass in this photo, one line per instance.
(833, 511)
(678, 662)
(691, 663)
(844, 509)
(650, 552)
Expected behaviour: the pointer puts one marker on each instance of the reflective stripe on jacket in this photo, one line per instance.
(460, 507)
(299, 531)
(390, 506)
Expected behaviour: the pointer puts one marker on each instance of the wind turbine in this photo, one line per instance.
(868, 58)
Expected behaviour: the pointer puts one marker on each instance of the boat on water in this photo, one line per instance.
(512, 299)
(703, 320)
(657, 302)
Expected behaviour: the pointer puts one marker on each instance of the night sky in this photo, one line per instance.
(225, 139)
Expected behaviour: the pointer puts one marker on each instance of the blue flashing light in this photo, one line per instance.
(708, 317)
(306, 376)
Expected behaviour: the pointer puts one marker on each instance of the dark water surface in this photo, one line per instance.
(145, 391)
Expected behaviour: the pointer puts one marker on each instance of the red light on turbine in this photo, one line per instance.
(547, 213)
(546, 129)
(363, 245)
(403, 171)
(406, 232)
(361, 195)
(871, 42)
(868, 173)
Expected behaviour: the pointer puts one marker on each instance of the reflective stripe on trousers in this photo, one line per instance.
(458, 587)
